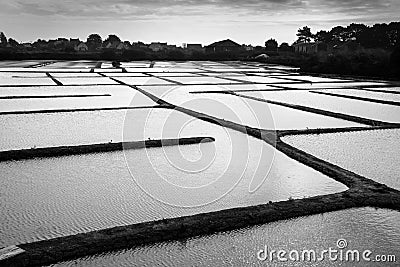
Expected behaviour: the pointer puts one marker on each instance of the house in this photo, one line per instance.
(81, 47)
(111, 45)
(194, 47)
(74, 42)
(306, 48)
(139, 45)
(124, 46)
(27, 45)
(223, 46)
(248, 47)
(157, 46)
(171, 47)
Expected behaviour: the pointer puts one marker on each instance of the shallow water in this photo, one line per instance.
(314, 78)
(121, 96)
(50, 197)
(390, 89)
(244, 111)
(366, 94)
(75, 75)
(365, 228)
(85, 80)
(165, 69)
(13, 78)
(200, 80)
(176, 74)
(21, 63)
(347, 106)
(142, 80)
(72, 64)
(263, 79)
(127, 74)
(373, 154)
(331, 85)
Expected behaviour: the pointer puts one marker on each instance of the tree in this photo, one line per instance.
(271, 45)
(354, 30)
(12, 42)
(94, 41)
(323, 36)
(304, 35)
(338, 34)
(284, 47)
(394, 33)
(112, 38)
(3, 39)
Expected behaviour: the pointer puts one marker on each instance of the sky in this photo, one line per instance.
(191, 21)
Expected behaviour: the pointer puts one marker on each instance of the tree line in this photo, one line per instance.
(385, 36)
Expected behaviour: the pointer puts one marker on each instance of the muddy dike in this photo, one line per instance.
(96, 148)
(282, 133)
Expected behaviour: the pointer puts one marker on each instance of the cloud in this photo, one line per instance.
(218, 11)
(105, 8)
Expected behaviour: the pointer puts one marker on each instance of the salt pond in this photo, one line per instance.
(330, 103)
(242, 110)
(373, 154)
(120, 96)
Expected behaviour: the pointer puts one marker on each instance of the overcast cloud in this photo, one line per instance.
(178, 21)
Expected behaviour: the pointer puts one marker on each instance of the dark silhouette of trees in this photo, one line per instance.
(3, 39)
(176, 55)
(271, 45)
(384, 36)
(12, 42)
(94, 41)
(112, 38)
(304, 35)
(323, 36)
(285, 47)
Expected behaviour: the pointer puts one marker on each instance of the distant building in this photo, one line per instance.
(111, 45)
(306, 48)
(74, 42)
(27, 45)
(139, 45)
(61, 42)
(223, 46)
(262, 57)
(124, 46)
(81, 47)
(157, 46)
(248, 47)
(194, 47)
(171, 47)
